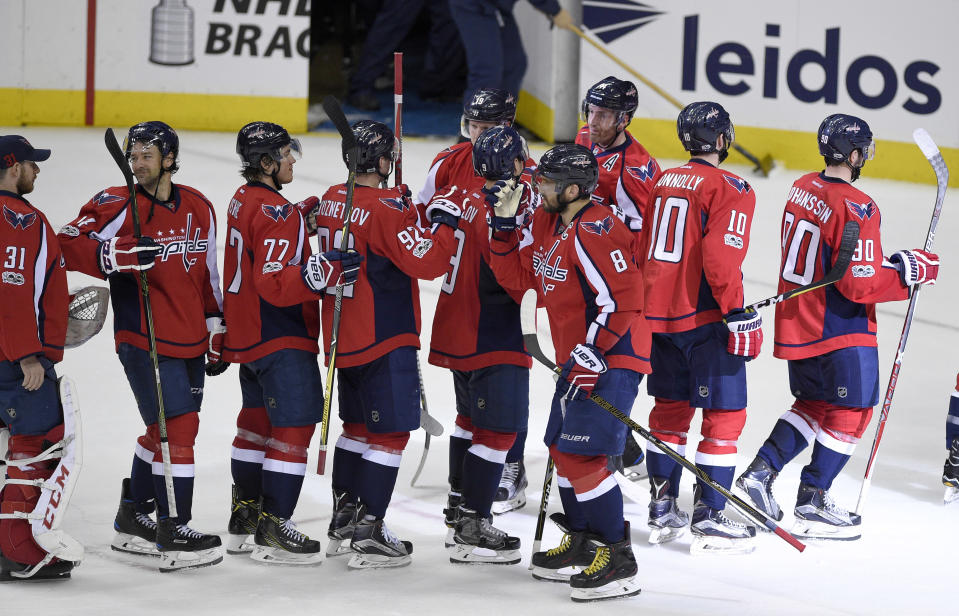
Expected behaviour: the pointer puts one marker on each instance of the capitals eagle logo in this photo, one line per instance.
(277, 212)
(19, 220)
(863, 211)
(599, 227)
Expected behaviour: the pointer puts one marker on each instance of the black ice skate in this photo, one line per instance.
(341, 525)
(634, 457)
(476, 540)
(136, 532)
(511, 493)
(611, 575)
(714, 533)
(573, 554)
(950, 474)
(756, 482)
(666, 520)
(451, 514)
(181, 547)
(375, 546)
(278, 542)
(12, 571)
(818, 517)
(244, 514)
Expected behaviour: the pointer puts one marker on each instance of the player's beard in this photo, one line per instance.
(561, 205)
(25, 184)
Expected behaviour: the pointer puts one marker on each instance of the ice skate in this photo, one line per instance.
(375, 546)
(181, 547)
(242, 526)
(950, 474)
(58, 570)
(611, 575)
(574, 553)
(634, 458)
(278, 542)
(714, 533)
(341, 525)
(476, 540)
(450, 515)
(136, 532)
(666, 520)
(511, 493)
(818, 517)
(756, 482)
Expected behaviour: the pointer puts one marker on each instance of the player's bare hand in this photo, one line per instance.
(32, 373)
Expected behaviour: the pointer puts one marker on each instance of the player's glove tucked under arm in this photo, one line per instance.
(214, 362)
(916, 266)
(127, 253)
(444, 212)
(745, 333)
(309, 207)
(580, 372)
(503, 198)
(329, 268)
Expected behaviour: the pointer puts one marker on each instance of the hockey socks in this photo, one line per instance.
(249, 450)
(826, 463)
(603, 507)
(181, 435)
(575, 516)
(348, 460)
(460, 442)
(952, 419)
(661, 467)
(142, 493)
(284, 468)
(786, 441)
(381, 464)
(515, 453)
(483, 468)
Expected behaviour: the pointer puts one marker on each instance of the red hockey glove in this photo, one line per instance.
(580, 372)
(127, 253)
(309, 207)
(214, 362)
(916, 266)
(745, 333)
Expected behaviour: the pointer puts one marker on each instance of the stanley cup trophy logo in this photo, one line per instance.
(171, 33)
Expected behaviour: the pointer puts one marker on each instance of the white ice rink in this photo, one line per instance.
(905, 562)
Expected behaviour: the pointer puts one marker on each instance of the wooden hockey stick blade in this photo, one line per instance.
(847, 246)
(419, 467)
(528, 326)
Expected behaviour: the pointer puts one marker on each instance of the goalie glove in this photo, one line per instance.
(214, 362)
(916, 266)
(127, 253)
(745, 333)
(330, 268)
(504, 198)
(580, 372)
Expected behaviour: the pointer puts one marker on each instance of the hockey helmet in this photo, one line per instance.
(841, 134)
(374, 139)
(156, 133)
(570, 164)
(258, 139)
(495, 150)
(612, 93)
(488, 105)
(699, 124)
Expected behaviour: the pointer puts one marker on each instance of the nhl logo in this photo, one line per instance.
(481, 403)
(842, 392)
(12, 412)
(375, 416)
(271, 402)
(703, 391)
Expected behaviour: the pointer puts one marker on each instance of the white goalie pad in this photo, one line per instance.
(56, 491)
(86, 314)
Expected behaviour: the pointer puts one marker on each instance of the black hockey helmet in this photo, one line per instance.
(374, 139)
(156, 133)
(841, 134)
(495, 150)
(258, 139)
(699, 124)
(488, 105)
(612, 93)
(570, 164)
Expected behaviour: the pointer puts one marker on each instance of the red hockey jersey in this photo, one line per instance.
(381, 311)
(33, 313)
(184, 282)
(476, 323)
(585, 275)
(268, 306)
(844, 314)
(627, 174)
(697, 232)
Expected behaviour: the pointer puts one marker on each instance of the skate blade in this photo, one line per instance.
(470, 555)
(378, 561)
(177, 561)
(239, 544)
(5, 576)
(620, 589)
(338, 547)
(449, 542)
(951, 495)
(721, 545)
(501, 507)
(658, 536)
(809, 529)
(279, 556)
(554, 575)
(131, 544)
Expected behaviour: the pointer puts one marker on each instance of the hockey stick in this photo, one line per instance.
(847, 246)
(335, 113)
(763, 166)
(398, 113)
(121, 160)
(932, 154)
(543, 506)
(528, 321)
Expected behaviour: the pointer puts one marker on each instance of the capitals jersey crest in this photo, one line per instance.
(277, 212)
(598, 227)
(18, 220)
(644, 173)
(103, 197)
(739, 184)
(396, 203)
(863, 211)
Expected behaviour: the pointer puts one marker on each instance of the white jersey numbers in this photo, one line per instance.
(802, 240)
(668, 230)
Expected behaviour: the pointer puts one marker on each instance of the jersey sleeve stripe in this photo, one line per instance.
(211, 262)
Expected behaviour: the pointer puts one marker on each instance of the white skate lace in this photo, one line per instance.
(388, 535)
(289, 529)
(186, 531)
(722, 519)
(145, 520)
(492, 530)
(510, 473)
(829, 505)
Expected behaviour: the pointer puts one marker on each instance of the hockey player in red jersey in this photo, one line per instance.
(476, 334)
(274, 284)
(33, 323)
(579, 258)
(453, 166)
(379, 393)
(177, 244)
(828, 336)
(695, 238)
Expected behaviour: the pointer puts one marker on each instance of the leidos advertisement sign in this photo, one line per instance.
(786, 65)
